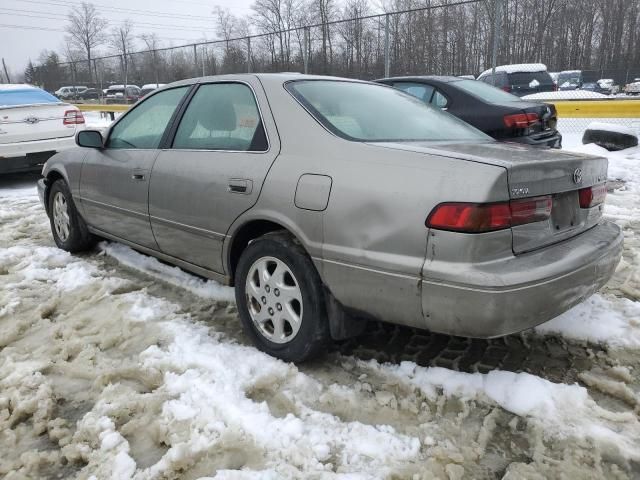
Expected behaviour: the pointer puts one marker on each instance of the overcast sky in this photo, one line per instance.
(29, 26)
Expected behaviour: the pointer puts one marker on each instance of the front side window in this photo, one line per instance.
(144, 126)
(375, 113)
(222, 116)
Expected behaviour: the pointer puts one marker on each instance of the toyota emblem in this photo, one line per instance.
(577, 175)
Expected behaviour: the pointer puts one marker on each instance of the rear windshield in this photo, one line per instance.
(525, 78)
(376, 113)
(115, 90)
(25, 96)
(486, 92)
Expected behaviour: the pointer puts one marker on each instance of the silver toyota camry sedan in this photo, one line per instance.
(327, 202)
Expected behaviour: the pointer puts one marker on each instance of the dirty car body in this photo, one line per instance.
(442, 228)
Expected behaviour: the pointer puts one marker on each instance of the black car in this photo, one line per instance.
(499, 114)
(520, 80)
(90, 94)
(594, 87)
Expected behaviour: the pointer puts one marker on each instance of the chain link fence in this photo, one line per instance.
(449, 38)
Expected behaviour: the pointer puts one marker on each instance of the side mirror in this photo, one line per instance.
(89, 139)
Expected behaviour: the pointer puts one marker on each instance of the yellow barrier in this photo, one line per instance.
(110, 109)
(94, 107)
(565, 108)
(597, 108)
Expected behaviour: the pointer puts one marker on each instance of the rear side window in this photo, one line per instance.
(439, 100)
(526, 78)
(418, 90)
(26, 96)
(373, 113)
(144, 126)
(222, 116)
(488, 93)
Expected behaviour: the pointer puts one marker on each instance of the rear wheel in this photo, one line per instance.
(280, 298)
(69, 230)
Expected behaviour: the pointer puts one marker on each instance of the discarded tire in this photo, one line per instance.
(609, 139)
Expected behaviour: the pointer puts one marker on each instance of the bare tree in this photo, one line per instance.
(121, 40)
(86, 30)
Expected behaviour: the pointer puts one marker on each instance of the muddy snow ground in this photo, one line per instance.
(113, 365)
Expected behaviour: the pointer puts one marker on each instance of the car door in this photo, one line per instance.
(114, 182)
(213, 170)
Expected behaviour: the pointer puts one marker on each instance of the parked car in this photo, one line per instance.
(633, 88)
(150, 87)
(520, 80)
(595, 87)
(326, 201)
(497, 113)
(69, 93)
(90, 94)
(570, 80)
(609, 85)
(33, 126)
(116, 94)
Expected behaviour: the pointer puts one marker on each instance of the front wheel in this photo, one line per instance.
(67, 226)
(280, 298)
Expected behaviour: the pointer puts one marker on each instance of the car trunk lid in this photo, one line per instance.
(535, 172)
(34, 122)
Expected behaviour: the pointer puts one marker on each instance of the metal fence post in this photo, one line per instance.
(305, 49)
(195, 58)
(386, 46)
(248, 54)
(496, 37)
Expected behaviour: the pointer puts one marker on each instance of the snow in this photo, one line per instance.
(599, 319)
(611, 127)
(116, 365)
(517, 68)
(173, 275)
(97, 121)
(565, 95)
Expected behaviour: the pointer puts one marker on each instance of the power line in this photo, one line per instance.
(152, 13)
(144, 25)
(30, 27)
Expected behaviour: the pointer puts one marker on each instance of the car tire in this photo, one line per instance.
(612, 141)
(69, 230)
(280, 298)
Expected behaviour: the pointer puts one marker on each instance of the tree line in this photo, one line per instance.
(347, 38)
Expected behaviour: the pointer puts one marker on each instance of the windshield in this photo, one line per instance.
(26, 96)
(486, 92)
(532, 79)
(375, 113)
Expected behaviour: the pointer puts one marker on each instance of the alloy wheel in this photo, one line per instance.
(274, 299)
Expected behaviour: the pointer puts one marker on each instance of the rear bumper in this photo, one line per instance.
(520, 292)
(20, 149)
(553, 141)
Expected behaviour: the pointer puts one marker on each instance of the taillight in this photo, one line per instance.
(520, 120)
(73, 117)
(487, 217)
(530, 210)
(592, 196)
(507, 88)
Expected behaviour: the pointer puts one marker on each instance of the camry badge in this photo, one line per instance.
(577, 175)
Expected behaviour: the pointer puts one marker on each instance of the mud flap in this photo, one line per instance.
(341, 324)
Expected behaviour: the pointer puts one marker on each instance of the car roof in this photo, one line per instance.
(418, 78)
(517, 68)
(270, 77)
(16, 86)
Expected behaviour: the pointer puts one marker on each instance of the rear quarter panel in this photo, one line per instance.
(370, 243)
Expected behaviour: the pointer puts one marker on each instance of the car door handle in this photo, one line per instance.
(240, 185)
(138, 176)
